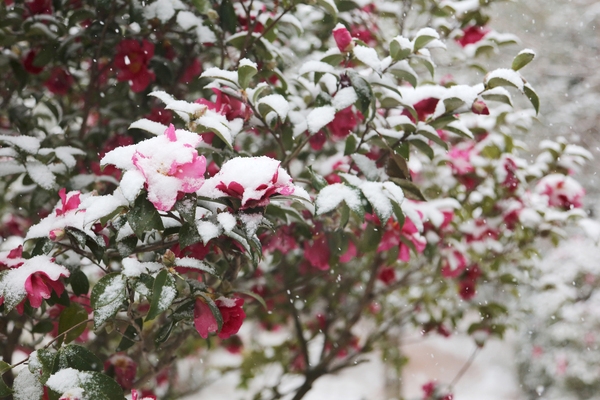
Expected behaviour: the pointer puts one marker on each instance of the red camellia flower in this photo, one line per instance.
(231, 311)
(472, 34)
(132, 61)
(228, 106)
(317, 252)
(342, 37)
(123, 368)
(28, 63)
(387, 275)
(344, 122)
(60, 81)
(192, 71)
(37, 7)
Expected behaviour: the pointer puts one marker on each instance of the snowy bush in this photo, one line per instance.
(173, 172)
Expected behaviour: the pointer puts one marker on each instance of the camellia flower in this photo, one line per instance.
(123, 368)
(59, 82)
(166, 164)
(472, 34)
(33, 279)
(391, 238)
(132, 61)
(343, 38)
(68, 202)
(562, 191)
(317, 251)
(231, 311)
(228, 106)
(344, 122)
(253, 180)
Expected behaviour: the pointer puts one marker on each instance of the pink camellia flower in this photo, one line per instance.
(231, 311)
(392, 238)
(168, 165)
(228, 106)
(364, 34)
(431, 392)
(423, 108)
(472, 34)
(132, 61)
(122, 368)
(317, 251)
(453, 264)
(460, 158)
(33, 279)
(69, 202)
(59, 82)
(479, 107)
(253, 180)
(562, 191)
(343, 38)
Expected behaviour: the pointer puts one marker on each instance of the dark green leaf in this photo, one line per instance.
(188, 235)
(255, 296)
(228, 19)
(163, 294)
(72, 320)
(46, 359)
(317, 181)
(371, 238)
(143, 217)
(164, 332)
(452, 103)
(186, 207)
(107, 297)
(79, 283)
(4, 389)
(433, 137)
(397, 167)
(127, 246)
(130, 336)
(363, 91)
(350, 146)
(532, 96)
(410, 190)
(423, 147)
(79, 358)
(522, 59)
(44, 326)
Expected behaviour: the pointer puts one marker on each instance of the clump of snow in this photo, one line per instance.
(319, 117)
(331, 196)
(133, 268)
(227, 221)
(27, 386)
(68, 379)
(278, 103)
(344, 98)
(164, 10)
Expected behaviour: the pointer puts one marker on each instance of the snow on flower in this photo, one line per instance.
(231, 311)
(472, 34)
(562, 191)
(342, 37)
(34, 279)
(132, 61)
(166, 164)
(253, 180)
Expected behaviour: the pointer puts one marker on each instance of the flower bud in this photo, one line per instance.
(56, 235)
(343, 39)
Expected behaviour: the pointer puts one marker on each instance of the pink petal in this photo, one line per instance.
(204, 320)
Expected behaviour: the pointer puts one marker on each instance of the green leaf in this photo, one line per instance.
(245, 74)
(433, 137)
(163, 294)
(410, 190)
(228, 19)
(79, 358)
(188, 235)
(317, 181)
(127, 245)
(4, 389)
(213, 309)
(532, 96)
(79, 15)
(333, 59)
(350, 146)
(164, 332)
(329, 6)
(186, 207)
(255, 296)
(143, 217)
(423, 147)
(397, 167)
(424, 39)
(45, 56)
(74, 315)
(44, 326)
(79, 283)
(452, 103)
(398, 50)
(371, 238)
(363, 90)
(130, 336)
(46, 359)
(406, 75)
(107, 297)
(522, 59)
